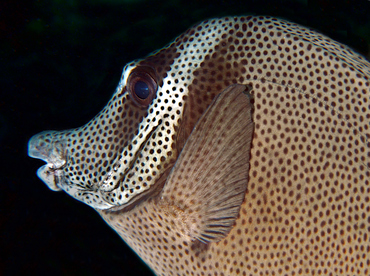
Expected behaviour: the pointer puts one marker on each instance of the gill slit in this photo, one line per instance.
(130, 166)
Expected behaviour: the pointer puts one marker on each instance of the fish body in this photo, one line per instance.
(242, 148)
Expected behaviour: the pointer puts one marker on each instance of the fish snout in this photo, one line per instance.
(47, 147)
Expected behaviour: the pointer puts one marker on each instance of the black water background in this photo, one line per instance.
(59, 64)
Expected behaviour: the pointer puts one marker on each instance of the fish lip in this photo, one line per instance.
(50, 176)
(54, 154)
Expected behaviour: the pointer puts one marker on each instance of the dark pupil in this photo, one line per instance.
(141, 90)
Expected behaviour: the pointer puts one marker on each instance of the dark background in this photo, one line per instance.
(59, 64)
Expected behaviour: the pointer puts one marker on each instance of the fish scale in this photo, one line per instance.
(274, 182)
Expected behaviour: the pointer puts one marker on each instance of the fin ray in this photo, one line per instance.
(209, 179)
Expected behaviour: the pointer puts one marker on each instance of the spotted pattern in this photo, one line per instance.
(307, 207)
(123, 151)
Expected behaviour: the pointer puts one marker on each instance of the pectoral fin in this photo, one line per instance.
(207, 185)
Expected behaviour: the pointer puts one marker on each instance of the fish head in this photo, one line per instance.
(130, 146)
(121, 152)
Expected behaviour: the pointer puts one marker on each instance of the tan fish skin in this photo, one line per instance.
(306, 209)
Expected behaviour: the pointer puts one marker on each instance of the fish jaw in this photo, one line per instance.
(51, 147)
(53, 153)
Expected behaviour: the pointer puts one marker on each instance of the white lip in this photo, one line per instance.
(48, 175)
(53, 153)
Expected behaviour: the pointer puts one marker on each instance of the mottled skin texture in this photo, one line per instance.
(306, 210)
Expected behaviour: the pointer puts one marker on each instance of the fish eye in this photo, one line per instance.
(142, 85)
(141, 90)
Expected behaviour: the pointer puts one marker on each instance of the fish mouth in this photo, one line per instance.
(43, 146)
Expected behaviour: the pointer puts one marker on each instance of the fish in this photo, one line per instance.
(240, 148)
